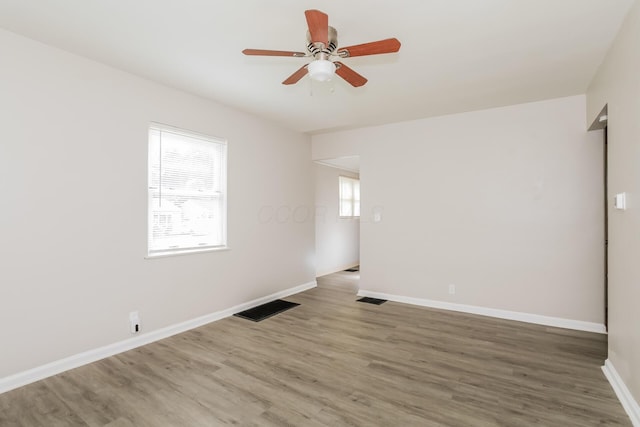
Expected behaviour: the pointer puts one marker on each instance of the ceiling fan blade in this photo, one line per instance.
(350, 76)
(318, 23)
(263, 52)
(372, 48)
(295, 77)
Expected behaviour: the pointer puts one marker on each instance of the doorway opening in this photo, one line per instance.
(601, 123)
(337, 222)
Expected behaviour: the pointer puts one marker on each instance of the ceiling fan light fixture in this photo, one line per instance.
(322, 44)
(321, 70)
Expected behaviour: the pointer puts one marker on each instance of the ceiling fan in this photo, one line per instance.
(322, 46)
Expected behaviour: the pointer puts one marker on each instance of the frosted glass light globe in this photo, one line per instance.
(321, 70)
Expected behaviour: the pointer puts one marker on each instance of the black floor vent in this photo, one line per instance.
(375, 301)
(267, 310)
(353, 269)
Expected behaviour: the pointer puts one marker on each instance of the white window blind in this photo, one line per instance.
(187, 191)
(349, 197)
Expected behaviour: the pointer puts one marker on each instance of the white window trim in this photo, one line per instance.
(187, 251)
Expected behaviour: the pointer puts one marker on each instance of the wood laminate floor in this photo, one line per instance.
(333, 361)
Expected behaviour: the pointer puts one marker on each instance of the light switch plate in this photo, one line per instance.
(620, 201)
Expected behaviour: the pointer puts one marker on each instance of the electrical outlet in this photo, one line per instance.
(134, 321)
(452, 289)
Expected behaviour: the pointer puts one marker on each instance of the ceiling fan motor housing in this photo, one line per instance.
(315, 48)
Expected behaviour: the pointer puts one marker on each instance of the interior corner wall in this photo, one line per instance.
(617, 85)
(73, 166)
(506, 204)
(337, 239)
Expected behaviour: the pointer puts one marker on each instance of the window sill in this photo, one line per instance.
(187, 252)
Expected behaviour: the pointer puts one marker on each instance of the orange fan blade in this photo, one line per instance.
(351, 77)
(295, 77)
(318, 23)
(263, 52)
(373, 48)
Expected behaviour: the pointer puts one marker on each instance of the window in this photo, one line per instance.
(349, 197)
(187, 191)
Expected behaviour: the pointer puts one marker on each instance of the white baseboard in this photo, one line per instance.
(41, 372)
(492, 312)
(624, 395)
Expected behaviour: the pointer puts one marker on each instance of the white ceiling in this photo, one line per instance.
(456, 55)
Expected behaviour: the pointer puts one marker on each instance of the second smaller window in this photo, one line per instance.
(349, 197)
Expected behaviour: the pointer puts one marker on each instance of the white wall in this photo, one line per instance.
(337, 240)
(617, 84)
(73, 155)
(504, 203)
